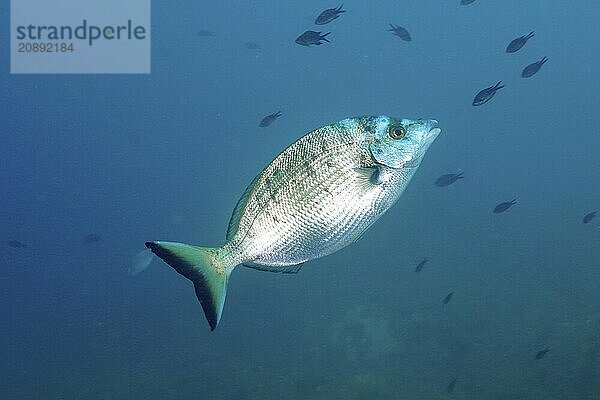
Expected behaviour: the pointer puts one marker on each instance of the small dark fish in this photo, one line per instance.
(252, 45)
(588, 217)
(400, 32)
(329, 15)
(533, 68)
(448, 179)
(540, 354)
(269, 119)
(421, 265)
(448, 297)
(519, 42)
(16, 244)
(309, 38)
(486, 94)
(466, 2)
(451, 386)
(92, 238)
(504, 206)
(205, 33)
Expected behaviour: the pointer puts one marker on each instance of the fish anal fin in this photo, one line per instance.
(285, 269)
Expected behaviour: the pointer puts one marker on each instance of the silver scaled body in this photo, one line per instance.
(317, 197)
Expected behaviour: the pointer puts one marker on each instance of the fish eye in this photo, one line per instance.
(396, 131)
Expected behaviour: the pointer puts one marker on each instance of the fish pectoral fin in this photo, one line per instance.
(370, 175)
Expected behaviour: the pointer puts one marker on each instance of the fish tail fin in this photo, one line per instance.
(339, 9)
(460, 175)
(205, 267)
(498, 85)
(513, 201)
(544, 59)
(323, 36)
(530, 35)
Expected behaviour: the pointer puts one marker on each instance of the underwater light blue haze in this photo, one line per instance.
(95, 165)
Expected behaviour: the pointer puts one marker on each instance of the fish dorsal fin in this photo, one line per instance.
(234, 222)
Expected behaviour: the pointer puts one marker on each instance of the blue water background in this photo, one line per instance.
(166, 156)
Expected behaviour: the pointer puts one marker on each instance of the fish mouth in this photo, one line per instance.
(431, 130)
(434, 125)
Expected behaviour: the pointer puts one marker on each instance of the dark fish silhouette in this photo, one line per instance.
(421, 265)
(92, 238)
(448, 297)
(533, 68)
(252, 45)
(309, 38)
(588, 217)
(540, 354)
(486, 94)
(16, 244)
(329, 15)
(205, 33)
(401, 32)
(451, 386)
(448, 179)
(519, 42)
(500, 208)
(466, 2)
(269, 119)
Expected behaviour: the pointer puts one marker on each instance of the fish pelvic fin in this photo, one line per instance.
(205, 267)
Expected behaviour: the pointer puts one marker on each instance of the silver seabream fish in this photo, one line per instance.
(315, 198)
